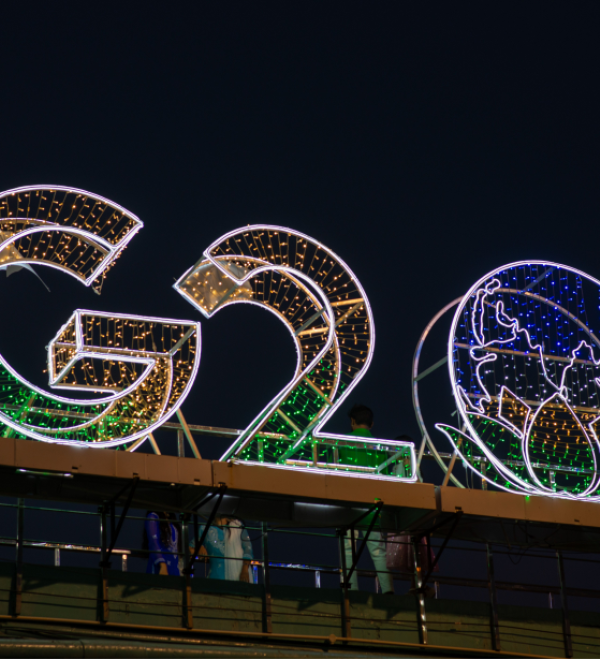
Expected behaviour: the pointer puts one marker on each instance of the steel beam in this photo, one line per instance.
(103, 595)
(495, 626)
(565, 607)
(19, 558)
(345, 603)
(419, 595)
(267, 609)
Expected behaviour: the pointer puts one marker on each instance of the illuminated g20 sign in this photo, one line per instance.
(524, 361)
(524, 357)
(146, 366)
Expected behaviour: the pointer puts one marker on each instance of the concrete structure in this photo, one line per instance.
(78, 613)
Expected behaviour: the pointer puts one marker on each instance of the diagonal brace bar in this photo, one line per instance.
(355, 557)
(447, 518)
(115, 532)
(188, 433)
(206, 500)
(114, 498)
(209, 522)
(377, 505)
(457, 517)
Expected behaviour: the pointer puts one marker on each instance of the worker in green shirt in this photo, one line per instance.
(364, 455)
(361, 422)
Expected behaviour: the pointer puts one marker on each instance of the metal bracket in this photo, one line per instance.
(199, 541)
(188, 434)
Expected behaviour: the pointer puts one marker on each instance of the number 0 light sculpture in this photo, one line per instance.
(327, 313)
(145, 365)
(524, 361)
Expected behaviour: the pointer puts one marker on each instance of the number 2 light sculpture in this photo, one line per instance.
(327, 313)
(144, 365)
(524, 363)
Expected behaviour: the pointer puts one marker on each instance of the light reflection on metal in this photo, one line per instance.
(146, 365)
(524, 364)
(328, 316)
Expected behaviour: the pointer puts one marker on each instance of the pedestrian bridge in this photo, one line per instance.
(94, 609)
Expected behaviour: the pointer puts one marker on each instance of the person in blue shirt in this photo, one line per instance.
(162, 539)
(228, 550)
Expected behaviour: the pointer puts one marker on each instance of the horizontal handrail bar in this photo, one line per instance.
(43, 545)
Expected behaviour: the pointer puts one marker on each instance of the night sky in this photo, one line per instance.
(425, 143)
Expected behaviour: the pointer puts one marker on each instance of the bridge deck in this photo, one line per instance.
(89, 475)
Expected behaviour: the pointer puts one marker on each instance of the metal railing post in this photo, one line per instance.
(103, 534)
(180, 443)
(495, 626)
(565, 608)
(104, 608)
(419, 595)
(336, 455)
(267, 618)
(188, 615)
(19, 558)
(345, 604)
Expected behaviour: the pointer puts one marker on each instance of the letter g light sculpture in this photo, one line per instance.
(145, 366)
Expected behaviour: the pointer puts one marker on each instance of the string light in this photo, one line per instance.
(327, 313)
(525, 375)
(146, 365)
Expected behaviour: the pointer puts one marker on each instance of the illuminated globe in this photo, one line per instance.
(524, 362)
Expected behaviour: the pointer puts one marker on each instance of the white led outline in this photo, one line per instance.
(161, 418)
(478, 308)
(509, 322)
(460, 394)
(299, 375)
(104, 400)
(113, 250)
(333, 255)
(560, 390)
(442, 428)
(341, 471)
(113, 399)
(327, 411)
(501, 468)
(113, 253)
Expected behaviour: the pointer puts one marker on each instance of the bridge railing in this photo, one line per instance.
(269, 567)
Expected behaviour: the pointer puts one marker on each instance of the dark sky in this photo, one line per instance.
(427, 143)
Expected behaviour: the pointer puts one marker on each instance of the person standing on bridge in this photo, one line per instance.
(162, 539)
(361, 423)
(228, 550)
